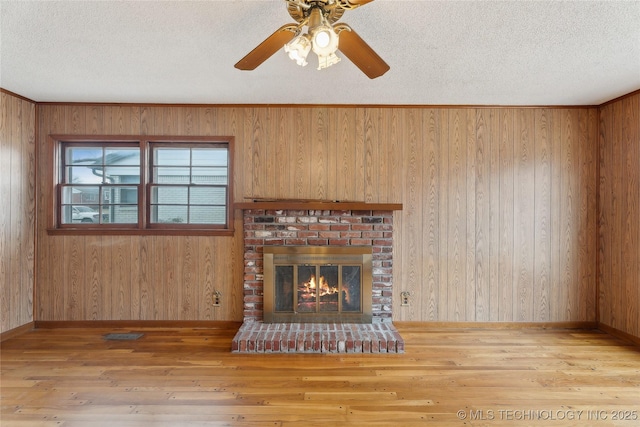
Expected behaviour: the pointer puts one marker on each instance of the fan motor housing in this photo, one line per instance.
(331, 13)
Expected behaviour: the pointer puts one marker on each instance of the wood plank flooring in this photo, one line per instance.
(446, 377)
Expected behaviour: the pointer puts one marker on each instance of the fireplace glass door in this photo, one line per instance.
(317, 284)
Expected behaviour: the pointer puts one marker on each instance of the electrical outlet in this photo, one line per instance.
(216, 298)
(404, 296)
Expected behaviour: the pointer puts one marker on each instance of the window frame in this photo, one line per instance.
(144, 225)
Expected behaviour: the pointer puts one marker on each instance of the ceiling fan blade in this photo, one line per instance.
(356, 3)
(264, 50)
(360, 53)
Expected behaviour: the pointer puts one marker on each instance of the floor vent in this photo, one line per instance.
(122, 337)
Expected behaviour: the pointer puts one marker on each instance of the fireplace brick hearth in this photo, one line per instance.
(258, 337)
(318, 224)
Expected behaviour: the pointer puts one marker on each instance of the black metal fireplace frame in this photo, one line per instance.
(319, 255)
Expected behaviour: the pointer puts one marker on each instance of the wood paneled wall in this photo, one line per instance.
(135, 277)
(17, 210)
(499, 219)
(499, 215)
(619, 230)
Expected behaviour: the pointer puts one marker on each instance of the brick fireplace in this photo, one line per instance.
(323, 225)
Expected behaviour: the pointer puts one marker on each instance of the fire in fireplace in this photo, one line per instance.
(317, 284)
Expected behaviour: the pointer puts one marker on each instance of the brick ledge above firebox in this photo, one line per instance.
(318, 205)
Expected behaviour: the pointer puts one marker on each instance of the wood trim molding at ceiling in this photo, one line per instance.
(390, 106)
(620, 98)
(24, 98)
(125, 104)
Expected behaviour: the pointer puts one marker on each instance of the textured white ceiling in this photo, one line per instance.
(440, 53)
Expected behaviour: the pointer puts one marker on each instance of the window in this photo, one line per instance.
(152, 185)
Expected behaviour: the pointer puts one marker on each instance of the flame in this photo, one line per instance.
(321, 287)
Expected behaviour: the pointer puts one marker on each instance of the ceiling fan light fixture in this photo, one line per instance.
(324, 40)
(325, 61)
(298, 49)
(320, 18)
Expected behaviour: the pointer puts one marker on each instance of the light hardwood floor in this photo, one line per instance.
(446, 377)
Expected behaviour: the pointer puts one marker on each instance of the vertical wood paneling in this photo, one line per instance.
(167, 121)
(495, 215)
(333, 153)
(633, 300)
(94, 120)
(301, 155)
(318, 167)
(50, 272)
(74, 277)
(17, 241)
(523, 245)
(588, 213)
(13, 234)
(119, 280)
(496, 203)
(591, 281)
(282, 137)
(258, 146)
(141, 277)
(342, 130)
(631, 213)
(159, 286)
(371, 136)
(505, 309)
(6, 117)
(456, 208)
(135, 285)
(605, 305)
(210, 117)
(206, 266)
(170, 281)
(146, 121)
(471, 226)
(98, 293)
(233, 294)
(27, 284)
(192, 122)
(428, 291)
(569, 213)
(482, 201)
(146, 280)
(394, 153)
(619, 210)
(76, 117)
(557, 203)
(361, 156)
(17, 214)
(442, 205)
(413, 278)
(229, 122)
(542, 225)
(618, 318)
(191, 278)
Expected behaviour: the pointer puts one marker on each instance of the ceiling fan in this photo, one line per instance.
(323, 37)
